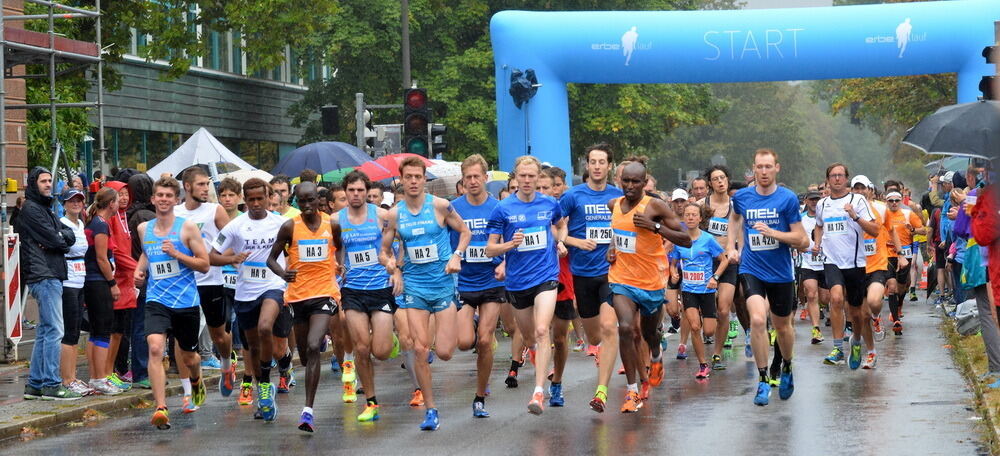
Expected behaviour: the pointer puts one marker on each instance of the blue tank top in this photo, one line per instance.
(169, 282)
(477, 269)
(427, 248)
(361, 246)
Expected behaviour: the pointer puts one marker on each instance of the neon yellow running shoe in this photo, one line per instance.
(395, 347)
(198, 393)
(350, 394)
(370, 413)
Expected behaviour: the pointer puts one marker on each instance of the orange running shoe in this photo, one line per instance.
(246, 394)
(593, 350)
(535, 405)
(598, 402)
(656, 373)
(161, 419)
(644, 390)
(418, 398)
(632, 402)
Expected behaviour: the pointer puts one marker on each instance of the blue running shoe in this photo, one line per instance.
(836, 357)
(556, 398)
(763, 394)
(306, 422)
(268, 407)
(334, 364)
(854, 361)
(747, 349)
(787, 386)
(430, 356)
(478, 410)
(431, 422)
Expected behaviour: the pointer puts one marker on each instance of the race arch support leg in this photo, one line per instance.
(548, 116)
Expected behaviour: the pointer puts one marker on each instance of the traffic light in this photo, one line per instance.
(990, 85)
(438, 143)
(416, 118)
(330, 119)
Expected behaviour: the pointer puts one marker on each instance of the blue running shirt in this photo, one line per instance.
(361, 245)
(535, 260)
(169, 282)
(427, 249)
(589, 218)
(477, 268)
(763, 257)
(696, 263)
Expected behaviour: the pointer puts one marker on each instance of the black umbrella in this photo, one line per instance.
(971, 129)
(321, 157)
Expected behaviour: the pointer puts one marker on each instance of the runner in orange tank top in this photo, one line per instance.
(310, 245)
(639, 224)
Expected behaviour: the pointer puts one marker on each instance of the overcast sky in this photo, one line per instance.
(759, 4)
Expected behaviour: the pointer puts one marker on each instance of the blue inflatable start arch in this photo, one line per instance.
(624, 47)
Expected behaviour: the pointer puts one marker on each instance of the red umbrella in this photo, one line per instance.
(391, 162)
(375, 171)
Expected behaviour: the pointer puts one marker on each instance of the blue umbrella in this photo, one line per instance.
(321, 157)
(494, 187)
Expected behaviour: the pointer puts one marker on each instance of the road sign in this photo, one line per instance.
(13, 307)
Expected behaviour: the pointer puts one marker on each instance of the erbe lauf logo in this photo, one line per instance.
(903, 37)
(628, 44)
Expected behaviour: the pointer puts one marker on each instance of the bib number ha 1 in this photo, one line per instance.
(535, 238)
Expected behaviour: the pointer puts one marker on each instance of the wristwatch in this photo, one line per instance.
(656, 227)
(460, 253)
(716, 277)
(112, 283)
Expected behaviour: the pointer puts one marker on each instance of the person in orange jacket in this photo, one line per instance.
(121, 246)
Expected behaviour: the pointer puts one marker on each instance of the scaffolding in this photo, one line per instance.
(24, 47)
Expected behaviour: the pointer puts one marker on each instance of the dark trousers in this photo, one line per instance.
(140, 349)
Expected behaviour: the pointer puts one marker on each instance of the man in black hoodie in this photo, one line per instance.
(44, 243)
(140, 210)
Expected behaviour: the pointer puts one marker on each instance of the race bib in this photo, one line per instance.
(160, 270)
(718, 226)
(816, 257)
(535, 238)
(255, 272)
(476, 252)
(313, 250)
(759, 242)
(906, 251)
(77, 267)
(693, 277)
(599, 232)
(362, 258)
(870, 247)
(421, 254)
(970, 200)
(229, 280)
(625, 241)
(835, 225)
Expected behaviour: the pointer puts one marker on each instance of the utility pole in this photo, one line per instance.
(405, 14)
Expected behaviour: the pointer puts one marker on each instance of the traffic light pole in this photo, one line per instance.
(359, 116)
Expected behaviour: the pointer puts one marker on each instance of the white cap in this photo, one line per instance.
(948, 177)
(862, 179)
(388, 198)
(679, 194)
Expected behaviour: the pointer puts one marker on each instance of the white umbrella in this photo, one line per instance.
(442, 168)
(244, 175)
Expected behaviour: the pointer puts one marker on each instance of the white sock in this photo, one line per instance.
(538, 389)
(348, 357)
(871, 352)
(633, 387)
(308, 410)
(186, 383)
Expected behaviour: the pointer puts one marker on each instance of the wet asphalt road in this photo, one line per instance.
(915, 402)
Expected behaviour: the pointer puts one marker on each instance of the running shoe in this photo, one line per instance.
(479, 410)
(212, 363)
(257, 414)
(870, 361)
(268, 406)
(598, 402)
(127, 377)
(592, 350)
(897, 328)
(877, 330)
(246, 394)
(161, 419)
(747, 348)
(116, 380)
(189, 406)
(348, 376)
(682, 351)
(772, 336)
(734, 329)
(291, 378)
(804, 315)
(773, 381)
(334, 364)
(556, 398)
(234, 360)
(644, 388)
(81, 388)
(511, 380)
(395, 347)
(103, 386)
(418, 398)
(656, 373)
(306, 422)
(198, 393)
(142, 384)
(709, 340)
(848, 333)
(717, 363)
(913, 295)
(535, 404)
(369, 414)
(531, 355)
(836, 357)
(580, 344)
(350, 395)
(58, 393)
(632, 402)
(787, 386)
(664, 342)
(228, 382)
(621, 370)
(854, 361)
(431, 422)
(283, 382)
(763, 394)
(703, 371)
(817, 336)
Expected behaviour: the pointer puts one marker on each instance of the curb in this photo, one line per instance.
(992, 417)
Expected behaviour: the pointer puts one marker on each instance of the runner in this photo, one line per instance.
(638, 262)
(525, 227)
(368, 289)
(229, 198)
(719, 207)
(260, 309)
(876, 264)
(422, 221)
(480, 285)
(902, 224)
(841, 221)
(811, 270)
(209, 218)
(173, 251)
(766, 218)
(588, 219)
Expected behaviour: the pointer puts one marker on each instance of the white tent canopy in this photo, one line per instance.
(201, 148)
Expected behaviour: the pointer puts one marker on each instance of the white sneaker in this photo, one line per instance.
(80, 387)
(103, 386)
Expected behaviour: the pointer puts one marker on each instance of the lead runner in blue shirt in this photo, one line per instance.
(527, 227)
(422, 222)
(585, 207)
(766, 219)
